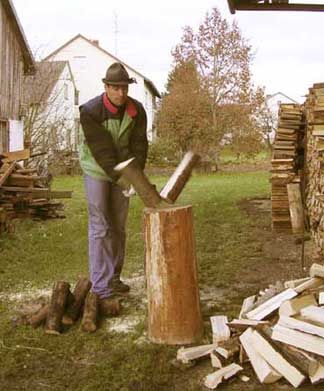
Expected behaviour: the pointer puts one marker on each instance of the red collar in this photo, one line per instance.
(130, 106)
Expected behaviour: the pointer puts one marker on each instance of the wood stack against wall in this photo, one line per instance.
(315, 166)
(286, 162)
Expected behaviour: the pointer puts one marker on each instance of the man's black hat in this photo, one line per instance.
(117, 75)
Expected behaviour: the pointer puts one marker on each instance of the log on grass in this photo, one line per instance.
(90, 313)
(60, 293)
(80, 292)
(174, 315)
(39, 317)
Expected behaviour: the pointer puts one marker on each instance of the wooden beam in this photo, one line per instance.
(7, 173)
(296, 208)
(16, 155)
(248, 5)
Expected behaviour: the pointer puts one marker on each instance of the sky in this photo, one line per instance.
(287, 46)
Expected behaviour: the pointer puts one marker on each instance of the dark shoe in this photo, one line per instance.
(109, 306)
(119, 287)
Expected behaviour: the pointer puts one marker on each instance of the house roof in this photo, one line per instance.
(266, 5)
(270, 96)
(29, 62)
(37, 88)
(150, 85)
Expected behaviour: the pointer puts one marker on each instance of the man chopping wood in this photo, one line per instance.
(114, 130)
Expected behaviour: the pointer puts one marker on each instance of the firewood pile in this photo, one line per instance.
(65, 308)
(286, 162)
(315, 166)
(25, 194)
(279, 333)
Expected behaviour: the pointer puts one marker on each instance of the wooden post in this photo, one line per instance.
(180, 177)
(173, 299)
(56, 309)
(296, 208)
(80, 292)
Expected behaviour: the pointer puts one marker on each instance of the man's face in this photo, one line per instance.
(117, 94)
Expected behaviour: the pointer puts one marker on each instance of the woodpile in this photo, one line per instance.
(23, 193)
(65, 308)
(287, 161)
(315, 166)
(281, 336)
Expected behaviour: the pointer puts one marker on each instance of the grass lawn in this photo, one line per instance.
(117, 358)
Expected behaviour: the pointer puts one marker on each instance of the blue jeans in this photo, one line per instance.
(107, 213)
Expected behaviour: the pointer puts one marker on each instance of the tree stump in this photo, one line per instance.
(173, 298)
(90, 313)
(56, 309)
(80, 292)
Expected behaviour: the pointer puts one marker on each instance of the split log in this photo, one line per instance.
(185, 355)
(313, 313)
(316, 270)
(90, 313)
(271, 305)
(265, 373)
(80, 292)
(60, 293)
(174, 315)
(305, 327)
(220, 329)
(39, 318)
(294, 306)
(247, 305)
(308, 342)
(214, 379)
(305, 362)
(180, 177)
(314, 282)
(276, 360)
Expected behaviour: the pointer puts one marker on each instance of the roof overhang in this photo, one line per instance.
(272, 5)
(29, 62)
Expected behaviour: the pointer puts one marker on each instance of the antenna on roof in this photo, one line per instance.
(116, 31)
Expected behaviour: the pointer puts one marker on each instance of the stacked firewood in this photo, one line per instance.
(279, 332)
(315, 166)
(65, 308)
(23, 193)
(286, 162)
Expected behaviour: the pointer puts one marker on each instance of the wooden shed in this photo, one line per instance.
(16, 60)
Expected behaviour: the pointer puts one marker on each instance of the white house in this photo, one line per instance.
(89, 63)
(51, 101)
